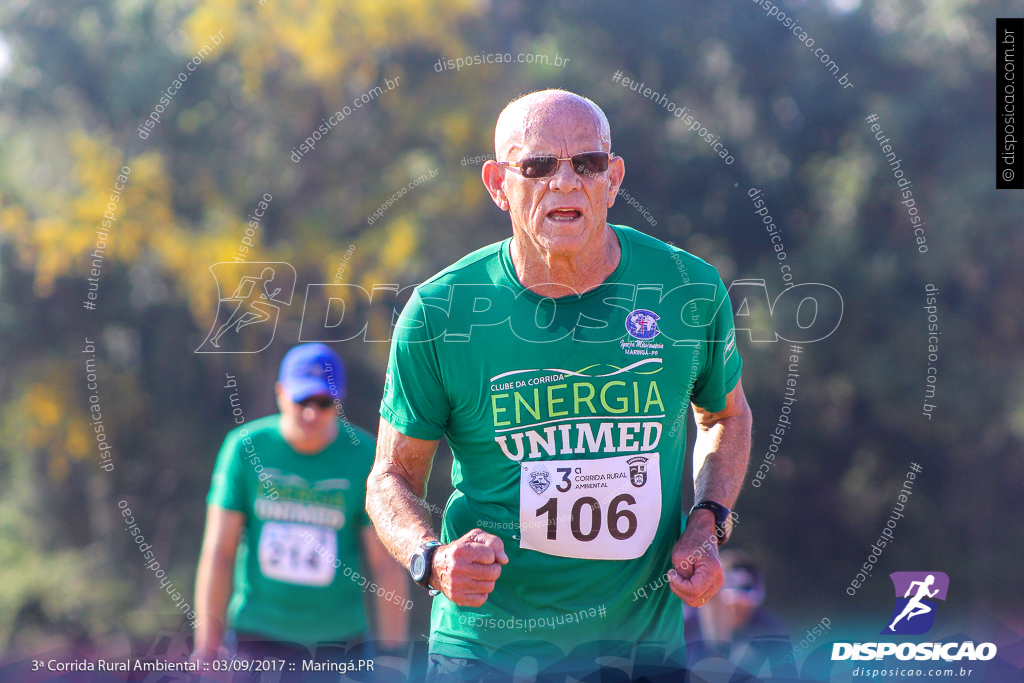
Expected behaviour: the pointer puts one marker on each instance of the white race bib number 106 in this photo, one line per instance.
(606, 509)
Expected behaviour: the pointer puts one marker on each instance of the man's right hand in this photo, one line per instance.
(465, 570)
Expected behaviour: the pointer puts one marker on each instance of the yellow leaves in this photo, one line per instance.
(470, 191)
(324, 41)
(384, 259)
(55, 233)
(190, 259)
(459, 129)
(13, 218)
(341, 264)
(392, 250)
(336, 46)
(96, 162)
(44, 410)
(401, 244)
(52, 424)
(319, 56)
(213, 17)
(101, 220)
(77, 442)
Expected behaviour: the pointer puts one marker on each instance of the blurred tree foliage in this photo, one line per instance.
(83, 75)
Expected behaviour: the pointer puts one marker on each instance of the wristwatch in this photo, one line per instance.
(723, 519)
(421, 563)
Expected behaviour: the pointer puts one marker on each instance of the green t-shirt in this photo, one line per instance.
(566, 418)
(304, 519)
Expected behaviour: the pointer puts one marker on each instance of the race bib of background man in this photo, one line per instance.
(606, 509)
(291, 553)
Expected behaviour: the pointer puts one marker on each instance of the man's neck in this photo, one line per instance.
(303, 444)
(555, 275)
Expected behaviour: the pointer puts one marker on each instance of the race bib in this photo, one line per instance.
(291, 553)
(606, 509)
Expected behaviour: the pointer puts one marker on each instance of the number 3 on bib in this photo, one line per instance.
(605, 509)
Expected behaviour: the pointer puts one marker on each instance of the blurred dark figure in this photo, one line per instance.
(734, 625)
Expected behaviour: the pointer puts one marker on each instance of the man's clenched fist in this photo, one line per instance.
(465, 570)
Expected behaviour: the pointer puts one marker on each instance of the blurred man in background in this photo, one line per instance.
(286, 528)
(734, 624)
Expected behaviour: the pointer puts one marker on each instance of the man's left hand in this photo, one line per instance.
(698, 571)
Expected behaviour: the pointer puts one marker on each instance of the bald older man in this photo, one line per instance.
(559, 364)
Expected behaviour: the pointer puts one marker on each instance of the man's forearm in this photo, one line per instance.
(391, 612)
(213, 592)
(720, 454)
(395, 491)
(398, 514)
(392, 618)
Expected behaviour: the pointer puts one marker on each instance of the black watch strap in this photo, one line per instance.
(721, 514)
(424, 554)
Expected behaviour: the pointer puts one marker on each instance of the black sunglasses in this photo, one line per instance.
(321, 402)
(585, 163)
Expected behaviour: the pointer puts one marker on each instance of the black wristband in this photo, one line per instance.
(721, 514)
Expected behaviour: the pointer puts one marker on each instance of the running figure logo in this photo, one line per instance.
(914, 614)
(255, 293)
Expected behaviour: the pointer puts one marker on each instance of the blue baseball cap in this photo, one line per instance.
(312, 369)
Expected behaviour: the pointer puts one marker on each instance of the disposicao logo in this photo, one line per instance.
(914, 614)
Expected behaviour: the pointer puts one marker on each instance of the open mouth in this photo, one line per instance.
(565, 215)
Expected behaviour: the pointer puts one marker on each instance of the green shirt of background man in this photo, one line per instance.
(480, 382)
(318, 512)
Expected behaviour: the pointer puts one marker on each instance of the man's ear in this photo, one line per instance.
(280, 394)
(494, 178)
(616, 173)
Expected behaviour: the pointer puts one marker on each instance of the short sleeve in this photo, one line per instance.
(415, 402)
(227, 490)
(722, 362)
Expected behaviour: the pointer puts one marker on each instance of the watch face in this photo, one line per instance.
(418, 565)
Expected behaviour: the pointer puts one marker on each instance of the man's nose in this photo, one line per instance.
(565, 179)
